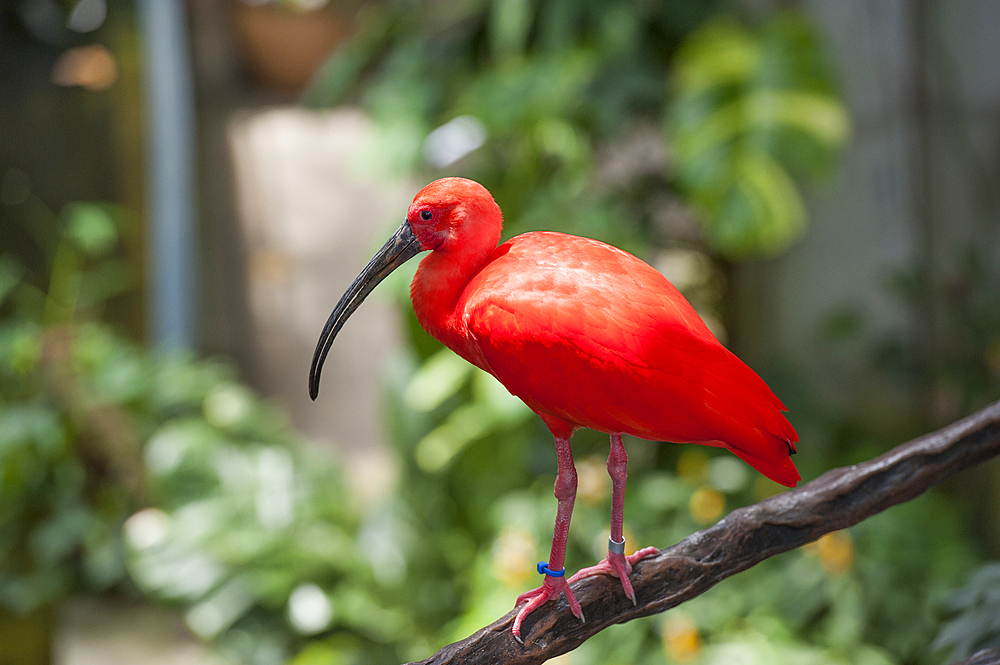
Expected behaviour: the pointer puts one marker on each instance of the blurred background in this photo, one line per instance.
(186, 189)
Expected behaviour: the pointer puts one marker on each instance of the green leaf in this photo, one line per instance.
(720, 53)
(749, 109)
(822, 117)
(545, 88)
(509, 25)
(503, 406)
(437, 380)
(56, 539)
(32, 425)
(760, 212)
(20, 348)
(91, 228)
(106, 280)
(10, 275)
(340, 71)
(462, 426)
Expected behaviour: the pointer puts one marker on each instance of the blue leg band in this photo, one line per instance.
(543, 569)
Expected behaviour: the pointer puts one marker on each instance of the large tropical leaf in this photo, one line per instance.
(751, 112)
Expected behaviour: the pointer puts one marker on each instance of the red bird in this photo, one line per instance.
(586, 335)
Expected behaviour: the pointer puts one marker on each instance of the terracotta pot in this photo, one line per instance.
(283, 47)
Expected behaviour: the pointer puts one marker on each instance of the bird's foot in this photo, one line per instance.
(551, 588)
(617, 565)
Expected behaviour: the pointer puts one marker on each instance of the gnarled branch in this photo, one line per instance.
(838, 499)
(984, 657)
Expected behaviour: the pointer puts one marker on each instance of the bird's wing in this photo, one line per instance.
(586, 333)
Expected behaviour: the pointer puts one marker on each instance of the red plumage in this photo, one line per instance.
(586, 335)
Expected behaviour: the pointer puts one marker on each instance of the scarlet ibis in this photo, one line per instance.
(587, 335)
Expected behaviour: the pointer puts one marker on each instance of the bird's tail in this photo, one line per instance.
(780, 469)
(753, 425)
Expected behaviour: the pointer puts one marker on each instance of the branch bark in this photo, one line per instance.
(984, 657)
(838, 499)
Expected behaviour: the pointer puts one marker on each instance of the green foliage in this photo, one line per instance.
(490, 407)
(564, 91)
(976, 621)
(252, 534)
(750, 108)
(965, 372)
(128, 471)
(68, 467)
(83, 267)
(609, 121)
(123, 470)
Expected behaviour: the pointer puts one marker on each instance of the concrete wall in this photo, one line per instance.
(920, 182)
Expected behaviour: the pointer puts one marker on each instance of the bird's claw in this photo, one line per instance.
(616, 565)
(551, 588)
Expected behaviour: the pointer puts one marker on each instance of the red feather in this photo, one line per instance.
(588, 336)
(591, 336)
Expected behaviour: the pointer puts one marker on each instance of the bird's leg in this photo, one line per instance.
(617, 563)
(554, 584)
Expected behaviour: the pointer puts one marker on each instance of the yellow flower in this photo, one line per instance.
(513, 556)
(681, 639)
(706, 504)
(834, 550)
(593, 481)
(631, 544)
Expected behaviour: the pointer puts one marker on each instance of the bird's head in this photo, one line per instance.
(453, 209)
(448, 213)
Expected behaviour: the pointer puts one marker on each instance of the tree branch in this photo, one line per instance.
(984, 657)
(838, 499)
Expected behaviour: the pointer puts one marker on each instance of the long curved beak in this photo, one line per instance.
(401, 247)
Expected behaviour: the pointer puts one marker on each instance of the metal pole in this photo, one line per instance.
(170, 137)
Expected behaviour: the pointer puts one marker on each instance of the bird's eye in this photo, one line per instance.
(426, 215)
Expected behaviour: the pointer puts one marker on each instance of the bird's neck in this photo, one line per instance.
(436, 290)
